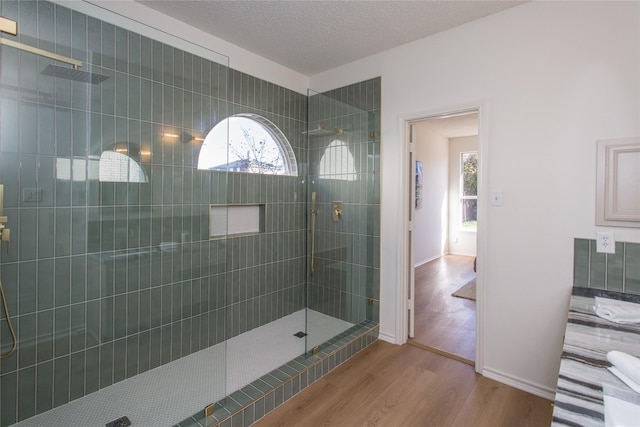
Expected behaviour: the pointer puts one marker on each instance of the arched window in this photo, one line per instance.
(118, 167)
(337, 162)
(255, 145)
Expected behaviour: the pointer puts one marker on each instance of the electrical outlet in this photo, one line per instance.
(605, 243)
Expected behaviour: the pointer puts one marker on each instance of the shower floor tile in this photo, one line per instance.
(170, 393)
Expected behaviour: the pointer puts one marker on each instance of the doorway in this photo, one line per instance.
(443, 151)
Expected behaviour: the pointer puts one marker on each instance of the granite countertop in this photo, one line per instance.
(583, 367)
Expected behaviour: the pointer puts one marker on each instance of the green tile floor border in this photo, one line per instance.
(247, 405)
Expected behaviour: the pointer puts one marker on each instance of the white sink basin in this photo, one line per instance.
(620, 413)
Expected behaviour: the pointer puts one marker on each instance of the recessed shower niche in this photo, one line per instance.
(234, 220)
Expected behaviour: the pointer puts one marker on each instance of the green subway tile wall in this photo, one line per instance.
(94, 295)
(618, 272)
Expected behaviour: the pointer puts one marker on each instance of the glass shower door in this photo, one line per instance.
(341, 212)
(111, 271)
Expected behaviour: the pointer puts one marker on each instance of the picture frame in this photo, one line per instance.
(418, 184)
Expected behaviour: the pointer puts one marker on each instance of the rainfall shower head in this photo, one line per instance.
(73, 74)
(323, 130)
(11, 27)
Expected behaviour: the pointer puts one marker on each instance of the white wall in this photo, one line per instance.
(553, 77)
(461, 242)
(430, 224)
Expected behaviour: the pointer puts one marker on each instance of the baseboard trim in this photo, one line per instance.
(386, 337)
(473, 254)
(520, 384)
(423, 262)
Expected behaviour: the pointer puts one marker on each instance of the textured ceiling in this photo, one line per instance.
(311, 36)
(454, 126)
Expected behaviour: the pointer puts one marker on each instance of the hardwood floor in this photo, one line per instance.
(442, 321)
(390, 385)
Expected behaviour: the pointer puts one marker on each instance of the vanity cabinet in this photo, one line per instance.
(618, 183)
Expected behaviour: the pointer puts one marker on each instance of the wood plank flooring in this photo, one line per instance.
(390, 385)
(442, 321)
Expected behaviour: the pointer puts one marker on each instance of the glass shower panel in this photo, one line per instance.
(341, 213)
(111, 271)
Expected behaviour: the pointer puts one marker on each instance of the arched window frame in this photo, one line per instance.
(337, 162)
(121, 154)
(277, 136)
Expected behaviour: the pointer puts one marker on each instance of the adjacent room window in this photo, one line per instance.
(247, 143)
(469, 190)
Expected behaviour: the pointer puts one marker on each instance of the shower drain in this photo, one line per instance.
(300, 334)
(120, 422)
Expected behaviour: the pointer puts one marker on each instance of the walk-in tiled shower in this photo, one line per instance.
(106, 280)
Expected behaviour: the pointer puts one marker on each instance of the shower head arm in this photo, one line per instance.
(321, 129)
(76, 64)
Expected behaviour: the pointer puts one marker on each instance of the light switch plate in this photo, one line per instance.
(497, 198)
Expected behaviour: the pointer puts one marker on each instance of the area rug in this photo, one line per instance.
(468, 291)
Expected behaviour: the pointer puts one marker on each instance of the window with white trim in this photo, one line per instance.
(469, 190)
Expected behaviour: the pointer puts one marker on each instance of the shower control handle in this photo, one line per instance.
(6, 237)
(5, 233)
(336, 211)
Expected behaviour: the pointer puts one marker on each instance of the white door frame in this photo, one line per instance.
(409, 260)
(483, 192)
